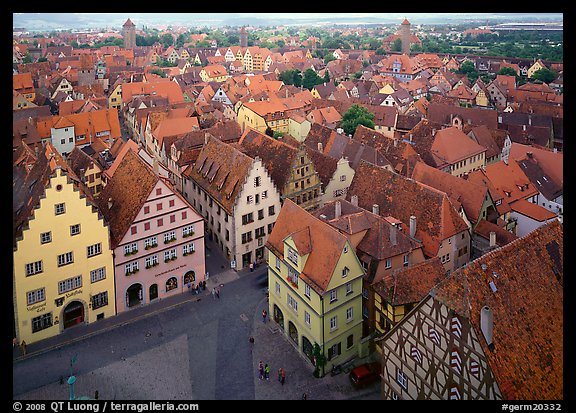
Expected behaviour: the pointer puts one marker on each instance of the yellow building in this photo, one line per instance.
(63, 273)
(115, 97)
(315, 287)
(535, 67)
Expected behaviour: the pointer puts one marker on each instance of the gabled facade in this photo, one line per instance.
(157, 237)
(315, 286)
(237, 198)
(63, 273)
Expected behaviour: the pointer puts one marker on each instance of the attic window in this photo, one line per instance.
(58, 187)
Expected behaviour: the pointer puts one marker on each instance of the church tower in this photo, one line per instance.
(405, 36)
(129, 34)
(243, 37)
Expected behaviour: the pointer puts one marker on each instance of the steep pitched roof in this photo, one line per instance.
(460, 191)
(125, 194)
(527, 307)
(323, 243)
(401, 197)
(451, 145)
(220, 170)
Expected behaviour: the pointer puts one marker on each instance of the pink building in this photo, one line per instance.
(157, 237)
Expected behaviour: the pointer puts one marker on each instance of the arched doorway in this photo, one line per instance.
(307, 348)
(153, 292)
(73, 314)
(278, 316)
(134, 295)
(293, 332)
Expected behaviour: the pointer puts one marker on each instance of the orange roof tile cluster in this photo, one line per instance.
(451, 145)
(510, 180)
(410, 284)
(323, 244)
(401, 197)
(125, 193)
(527, 359)
(461, 192)
(220, 170)
(169, 90)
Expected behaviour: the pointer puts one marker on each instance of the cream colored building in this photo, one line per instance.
(237, 198)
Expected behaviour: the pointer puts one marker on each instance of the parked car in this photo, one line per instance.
(365, 374)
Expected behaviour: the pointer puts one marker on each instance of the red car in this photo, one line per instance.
(365, 374)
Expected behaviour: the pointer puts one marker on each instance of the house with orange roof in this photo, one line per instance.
(400, 66)
(87, 169)
(290, 167)
(167, 89)
(454, 152)
(471, 200)
(383, 247)
(462, 342)
(236, 196)
(80, 129)
(426, 211)
(501, 90)
(464, 95)
(22, 83)
(315, 284)
(214, 73)
(156, 235)
(327, 116)
(521, 194)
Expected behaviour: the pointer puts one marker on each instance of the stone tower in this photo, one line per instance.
(129, 33)
(405, 36)
(243, 37)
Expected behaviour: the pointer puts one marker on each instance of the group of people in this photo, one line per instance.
(264, 372)
(201, 286)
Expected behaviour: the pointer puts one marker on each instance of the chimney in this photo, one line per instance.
(393, 234)
(499, 118)
(486, 325)
(376, 209)
(529, 154)
(320, 147)
(110, 203)
(410, 137)
(338, 210)
(530, 120)
(354, 200)
(492, 239)
(434, 132)
(412, 226)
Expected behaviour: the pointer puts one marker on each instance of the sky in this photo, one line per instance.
(65, 21)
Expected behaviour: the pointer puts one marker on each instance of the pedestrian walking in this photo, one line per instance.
(189, 286)
(217, 292)
(204, 284)
(251, 267)
(14, 342)
(283, 376)
(264, 314)
(304, 396)
(23, 347)
(260, 370)
(207, 274)
(213, 293)
(267, 371)
(280, 370)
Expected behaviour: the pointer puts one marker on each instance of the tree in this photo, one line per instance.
(356, 115)
(544, 75)
(291, 77)
(397, 45)
(310, 79)
(508, 71)
(167, 40)
(319, 359)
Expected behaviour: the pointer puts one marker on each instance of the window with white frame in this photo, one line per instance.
(278, 263)
(277, 288)
(188, 248)
(35, 296)
(100, 300)
(307, 290)
(98, 274)
(34, 268)
(131, 267)
(349, 288)
(66, 258)
(406, 260)
(188, 230)
(293, 275)
(334, 323)
(45, 237)
(41, 322)
(349, 314)
(333, 295)
(307, 318)
(345, 271)
(293, 256)
(59, 208)
(292, 303)
(95, 249)
(388, 263)
(169, 236)
(151, 261)
(74, 229)
(130, 248)
(69, 284)
(151, 242)
(402, 379)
